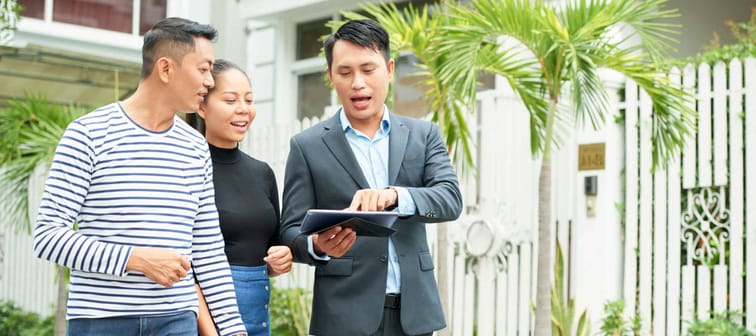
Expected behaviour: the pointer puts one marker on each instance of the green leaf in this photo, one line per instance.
(29, 133)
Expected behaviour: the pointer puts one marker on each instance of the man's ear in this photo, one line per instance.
(390, 68)
(164, 69)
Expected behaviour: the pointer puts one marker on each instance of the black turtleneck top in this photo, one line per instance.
(246, 196)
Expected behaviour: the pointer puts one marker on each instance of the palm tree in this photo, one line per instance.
(29, 133)
(566, 45)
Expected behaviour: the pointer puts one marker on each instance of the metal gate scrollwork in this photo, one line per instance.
(489, 234)
(705, 225)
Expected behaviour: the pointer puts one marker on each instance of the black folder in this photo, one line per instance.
(365, 223)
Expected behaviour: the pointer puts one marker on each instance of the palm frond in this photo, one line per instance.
(587, 91)
(647, 20)
(29, 133)
(473, 45)
(673, 118)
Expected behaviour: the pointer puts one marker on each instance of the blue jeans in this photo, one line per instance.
(184, 323)
(253, 295)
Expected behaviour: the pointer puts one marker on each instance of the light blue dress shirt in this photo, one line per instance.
(372, 155)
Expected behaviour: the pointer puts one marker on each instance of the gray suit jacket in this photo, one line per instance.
(322, 173)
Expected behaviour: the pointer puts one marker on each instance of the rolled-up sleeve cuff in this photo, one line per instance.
(121, 270)
(311, 251)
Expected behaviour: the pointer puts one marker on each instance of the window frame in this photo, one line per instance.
(136, 16)
(307, 66)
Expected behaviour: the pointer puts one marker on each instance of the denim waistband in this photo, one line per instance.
(249, 272)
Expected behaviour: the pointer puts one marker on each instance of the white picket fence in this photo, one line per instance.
(692, 221)
(25, 280)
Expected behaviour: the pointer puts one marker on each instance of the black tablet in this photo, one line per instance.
(365, 223)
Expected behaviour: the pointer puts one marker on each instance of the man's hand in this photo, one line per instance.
(158, 264)
(279, 260)
(373, 199)
(335, 241)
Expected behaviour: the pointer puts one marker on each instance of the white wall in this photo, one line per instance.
(596, 240)
(79, 39)
(231, 43)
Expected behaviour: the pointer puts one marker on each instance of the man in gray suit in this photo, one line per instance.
(366, 158)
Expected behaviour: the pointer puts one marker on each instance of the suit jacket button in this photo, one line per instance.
(383, 258)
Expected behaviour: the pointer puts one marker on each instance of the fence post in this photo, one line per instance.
(750, 192)
(596, 239)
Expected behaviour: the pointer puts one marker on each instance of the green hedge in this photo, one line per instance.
(16, 322)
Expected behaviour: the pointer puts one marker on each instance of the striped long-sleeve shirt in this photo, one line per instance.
(129, 187)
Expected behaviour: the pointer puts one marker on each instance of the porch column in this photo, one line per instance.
(597, 247)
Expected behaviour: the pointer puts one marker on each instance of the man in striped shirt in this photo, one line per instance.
(137, 181)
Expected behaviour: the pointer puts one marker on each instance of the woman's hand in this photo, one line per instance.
(279, 260)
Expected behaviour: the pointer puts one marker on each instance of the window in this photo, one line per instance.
(104, 14)
(313, 92)
(33, 8)
(150, 12)
(314, 95)
(112, 15)
(408, 95)
(309, 36)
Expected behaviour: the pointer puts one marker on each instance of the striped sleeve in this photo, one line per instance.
(210, 263)
(65, 190)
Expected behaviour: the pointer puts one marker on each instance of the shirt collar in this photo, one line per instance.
(385, 121)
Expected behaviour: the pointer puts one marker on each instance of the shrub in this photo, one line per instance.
(564, 312)
(744, 46)
(16, 322)
(615, 323)
(289, 311)
(721, 324)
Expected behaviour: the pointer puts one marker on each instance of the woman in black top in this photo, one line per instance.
(246, 196)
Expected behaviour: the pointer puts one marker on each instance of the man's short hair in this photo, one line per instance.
(364, 33)
(172, 37)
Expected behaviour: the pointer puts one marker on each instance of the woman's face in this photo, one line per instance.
(229, 109)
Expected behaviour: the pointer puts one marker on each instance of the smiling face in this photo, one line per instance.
(361, 78)
(192, 76)
(229, 109)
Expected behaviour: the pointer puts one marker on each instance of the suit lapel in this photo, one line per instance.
(397, 145)
(335, 140)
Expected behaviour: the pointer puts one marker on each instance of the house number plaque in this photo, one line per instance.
(591, 156)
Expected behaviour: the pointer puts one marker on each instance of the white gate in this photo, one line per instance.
(494, 254)
(692, 220)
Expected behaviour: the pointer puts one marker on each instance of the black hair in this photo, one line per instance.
(172, 37)
(364, 33)
(219, 67)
